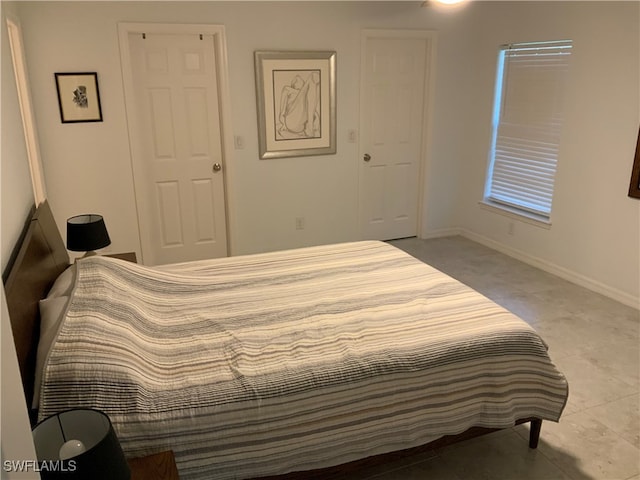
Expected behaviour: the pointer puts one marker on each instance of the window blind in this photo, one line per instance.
(527, 123)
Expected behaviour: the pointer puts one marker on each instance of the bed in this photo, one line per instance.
(300, 363)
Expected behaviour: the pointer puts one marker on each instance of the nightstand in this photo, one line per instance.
(159, 466)
(128, 256)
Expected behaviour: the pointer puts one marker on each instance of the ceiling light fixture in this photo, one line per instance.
(428, 3)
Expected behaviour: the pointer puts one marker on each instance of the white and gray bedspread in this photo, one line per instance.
(264, 364)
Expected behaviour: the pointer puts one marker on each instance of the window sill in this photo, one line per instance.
(530, 218)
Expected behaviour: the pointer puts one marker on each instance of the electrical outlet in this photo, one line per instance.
(511, 228)
(300, 223)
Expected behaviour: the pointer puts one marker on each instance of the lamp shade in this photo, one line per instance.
(79, 444)
(86, 233)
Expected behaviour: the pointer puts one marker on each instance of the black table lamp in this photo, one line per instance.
(86, 233)
(79, 444)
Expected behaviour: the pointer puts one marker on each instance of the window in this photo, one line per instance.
(527, 121)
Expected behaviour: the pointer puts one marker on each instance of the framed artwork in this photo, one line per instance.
(78, 97)
(634, 185)
(296, 96)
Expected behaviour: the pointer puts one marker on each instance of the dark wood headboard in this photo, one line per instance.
(38, 259)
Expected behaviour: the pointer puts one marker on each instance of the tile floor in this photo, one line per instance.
(592, 339)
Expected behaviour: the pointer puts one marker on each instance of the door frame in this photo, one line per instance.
(21, 75)
(224, 99)
(430, 37)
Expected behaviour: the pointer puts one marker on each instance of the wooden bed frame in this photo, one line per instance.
(39, 258)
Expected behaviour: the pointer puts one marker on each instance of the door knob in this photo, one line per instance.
(217, 167)
(367, 157)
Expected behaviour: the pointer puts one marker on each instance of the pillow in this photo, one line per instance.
(64, 283)
(51, 314)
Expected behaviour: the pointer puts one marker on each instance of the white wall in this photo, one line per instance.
(16, 200)
(88, 165)
(595, 233)
(17, 443)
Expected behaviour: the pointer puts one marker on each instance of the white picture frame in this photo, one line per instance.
(296, 100)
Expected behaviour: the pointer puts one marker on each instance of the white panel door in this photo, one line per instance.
(392, 124)
(178, 173)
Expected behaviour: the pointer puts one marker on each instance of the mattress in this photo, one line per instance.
(286, 361)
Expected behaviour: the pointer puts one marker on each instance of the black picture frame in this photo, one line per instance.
(634, 185)
(78, 97)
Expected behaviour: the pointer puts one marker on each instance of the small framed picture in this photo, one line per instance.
(296, 94)
(78, 97)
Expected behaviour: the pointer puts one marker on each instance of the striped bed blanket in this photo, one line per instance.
(286, 361)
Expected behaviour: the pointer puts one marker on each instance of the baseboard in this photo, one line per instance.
(442, 232)
(554, 269)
